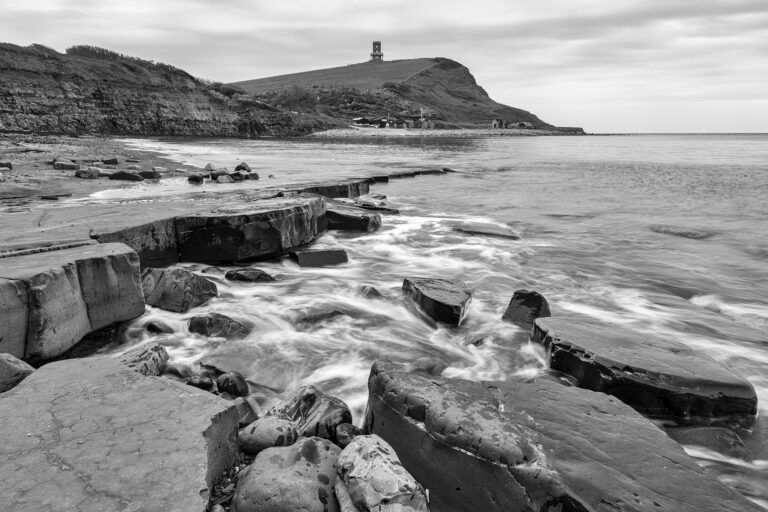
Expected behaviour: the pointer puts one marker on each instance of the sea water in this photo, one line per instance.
(660, 234)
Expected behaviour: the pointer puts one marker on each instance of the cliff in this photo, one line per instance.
(89, 90)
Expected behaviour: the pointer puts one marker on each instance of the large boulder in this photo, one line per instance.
(525, 307)
(348, 218)
(261, 229)
(149, 359)
(443, 300)
(288, 479)
(176, 289)
(265, 433)
(375, 479)
(91, 434)
(319, 257)
(534, 446)
(12, 371)
(218, 326)
(313, 412)
(661, 378)
(67, 293)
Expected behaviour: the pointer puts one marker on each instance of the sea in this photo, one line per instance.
(660, 234)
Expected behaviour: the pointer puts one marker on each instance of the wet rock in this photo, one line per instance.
(448, 170)
(313, 412)
(91, 173)
(12, 371)
(250, 275)
(661, 378)
(176, 289)
(525, 307)
(377, 206)
(486, 229)
(218, 325)
(348, 218)
(375, 478)
(237, 176)
(443, 300)
(428, 366)
(158, 327)
(500, 446)
(133, 167)
(721, 440)
(253, 176)
(684, 232)
(131, 160)
(209, 168)
(125, 176)
(65, 166)
(233, 383)
(345, 433)
(299, 477)
(370, 292)
(348, 188)
(224, 178)
(150, 359)
(242, 166)
(200, 382)
(154, 174)
(267, 432)
(110, 161)
(195, 179)
(247, 408)
(6, 166)
(319, 257)
(384, 178)
(271, 176)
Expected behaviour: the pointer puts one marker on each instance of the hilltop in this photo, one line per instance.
(93, 90)
(441, 89)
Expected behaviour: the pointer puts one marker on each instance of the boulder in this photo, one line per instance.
(12, 371)
(345, 433)
(534, 446)
(233, 383)
(248, 275)
(68, 293)
(525, 307)
(110, 161)
(158, 327)
(253, 176)
(224, 178)
(348, 218)
(209, 167)
(313, 412)
(149, 359)
(237, 176)
(443, 300)
(216, 325)
(242, 166)
(661, 378)
(299, 477)
(375, 479)
(486, 229)
(265, 433)
(154, 174)
(91, 173)
(261, 229)
(91, 434)
(125, 176)
(176, 289)
(319, 257)
(195, 179)
(718, 439)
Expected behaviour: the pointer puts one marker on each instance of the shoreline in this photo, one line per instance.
(367, 132)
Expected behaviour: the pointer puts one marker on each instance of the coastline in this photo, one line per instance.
(367, 132)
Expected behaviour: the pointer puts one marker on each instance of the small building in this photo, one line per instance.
(376, 55)
(362, 121)
(499, 123)
(523, 124)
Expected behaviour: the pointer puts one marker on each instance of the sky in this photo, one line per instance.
(609, 66)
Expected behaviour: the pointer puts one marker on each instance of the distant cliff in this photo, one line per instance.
(90, 90)
(440, 89)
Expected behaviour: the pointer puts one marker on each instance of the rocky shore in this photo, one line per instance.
(123, 432)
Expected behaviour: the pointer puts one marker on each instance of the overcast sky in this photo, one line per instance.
(605, 65)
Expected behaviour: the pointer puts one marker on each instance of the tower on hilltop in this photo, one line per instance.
(376, 55)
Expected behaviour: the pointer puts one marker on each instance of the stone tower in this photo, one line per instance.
(376, 55)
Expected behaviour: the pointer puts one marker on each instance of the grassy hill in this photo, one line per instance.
(441, 89)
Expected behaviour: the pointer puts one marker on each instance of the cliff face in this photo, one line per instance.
(44, 91)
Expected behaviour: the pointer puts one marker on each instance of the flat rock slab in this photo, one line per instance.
(319, 257)
(348, 218)
(443, 300)
(69, 293)
(486, 229)
(92, 435)
(659, 377)
(346, 188)
(535, 446)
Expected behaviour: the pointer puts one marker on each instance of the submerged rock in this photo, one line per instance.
(721, 440)
(176, 289)
(249, 275)
(292, 478)
(150, 359)
(375, 478)
(218, 325)
(313, 412)
(658, 377)
(525, 307)
(486, 229)
(265, 433)
(319, 257)
(12, 371)
(443, 300)
(534, 446)
(370, 292)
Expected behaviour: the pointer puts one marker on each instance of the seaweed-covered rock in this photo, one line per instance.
(525, 307)
(176, 289)
(313, 412)
(443, 300)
